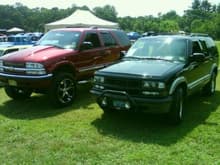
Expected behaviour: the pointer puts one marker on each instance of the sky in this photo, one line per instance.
(133, 8)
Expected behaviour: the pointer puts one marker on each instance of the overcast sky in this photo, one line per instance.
(123, 7)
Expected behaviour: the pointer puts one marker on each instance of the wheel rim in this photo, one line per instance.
(66, 90)
(213, 84)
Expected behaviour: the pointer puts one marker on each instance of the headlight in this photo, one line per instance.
(35, 68)
(1, 66)
(153, 85)
(99, 79)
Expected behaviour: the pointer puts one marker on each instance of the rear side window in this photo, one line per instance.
(122, 37)
(108, 39)
(212, 49)
(93, 39)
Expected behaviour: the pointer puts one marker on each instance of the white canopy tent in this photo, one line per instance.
(14, 29)
(81, 18)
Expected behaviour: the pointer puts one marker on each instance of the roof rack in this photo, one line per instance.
(199, 35)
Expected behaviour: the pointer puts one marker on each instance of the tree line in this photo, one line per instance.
(200, 17)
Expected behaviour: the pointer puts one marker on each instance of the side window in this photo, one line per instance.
(196, 47)
(108, 39)
(122, 37)
(93, 39)
(204, 47)
(212, 49)
(10, 51)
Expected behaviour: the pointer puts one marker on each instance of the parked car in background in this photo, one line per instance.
(157, 74)
(60, 59)
(20, 39)
(150, 33)
(10, 49)
(3, 38)
(133, 36)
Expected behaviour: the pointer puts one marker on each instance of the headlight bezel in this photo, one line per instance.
(153, 85)
(35, 68)
(99, 79)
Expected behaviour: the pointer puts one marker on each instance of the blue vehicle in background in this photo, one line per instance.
(21, 39)
(133, 35)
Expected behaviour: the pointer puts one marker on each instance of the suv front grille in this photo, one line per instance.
(131, 86)
(14, 68)
(13, 64)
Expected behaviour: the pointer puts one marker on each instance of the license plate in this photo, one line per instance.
(119, 104)
(12, 82)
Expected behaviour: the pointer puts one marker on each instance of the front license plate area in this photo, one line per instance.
(12, 82)
(119, 104)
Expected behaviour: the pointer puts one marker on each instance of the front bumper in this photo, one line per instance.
(33, 82)
(151, 105)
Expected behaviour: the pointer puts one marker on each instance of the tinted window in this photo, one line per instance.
(122, 37)
(108, 39)
(93, 39)
(196, 47)
(212, 49)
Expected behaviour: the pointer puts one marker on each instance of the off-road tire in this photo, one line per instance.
(63, 90)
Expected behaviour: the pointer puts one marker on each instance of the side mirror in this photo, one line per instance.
(86, 45)
(199, 57)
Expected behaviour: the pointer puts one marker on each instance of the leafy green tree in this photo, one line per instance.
(107, 12)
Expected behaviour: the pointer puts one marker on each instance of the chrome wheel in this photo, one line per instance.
(65, 90)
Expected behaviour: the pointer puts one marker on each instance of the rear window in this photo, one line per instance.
(122, 37)
(108, 39)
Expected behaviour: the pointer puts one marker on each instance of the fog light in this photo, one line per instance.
(104, 101)
(127, 105)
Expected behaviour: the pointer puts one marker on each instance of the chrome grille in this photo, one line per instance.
(14, 68)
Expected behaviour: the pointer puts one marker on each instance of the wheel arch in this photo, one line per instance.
(179, 82)
(214, 69)
(66, 68)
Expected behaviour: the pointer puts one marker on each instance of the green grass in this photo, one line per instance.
(32, 132)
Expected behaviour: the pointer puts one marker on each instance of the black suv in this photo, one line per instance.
(157, 74)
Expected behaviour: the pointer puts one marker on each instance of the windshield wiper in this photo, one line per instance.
(147, 58)
(57, 46)
(156, 58)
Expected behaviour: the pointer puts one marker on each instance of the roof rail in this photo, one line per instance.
(199, 35)
(173, 33)
(93, 27)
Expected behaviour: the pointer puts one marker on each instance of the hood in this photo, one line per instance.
(144, 68)
(36, 54)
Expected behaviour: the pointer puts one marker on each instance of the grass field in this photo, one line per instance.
(32, 132)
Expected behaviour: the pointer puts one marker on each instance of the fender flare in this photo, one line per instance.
(176, 83)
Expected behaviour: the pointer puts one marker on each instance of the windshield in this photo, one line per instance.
(61, 39)
(159, 48)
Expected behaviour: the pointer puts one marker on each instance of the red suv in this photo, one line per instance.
(60, 59)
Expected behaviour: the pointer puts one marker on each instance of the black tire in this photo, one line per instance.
(63, 90)
(17, 93)
(209, 88)
(176, 109)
